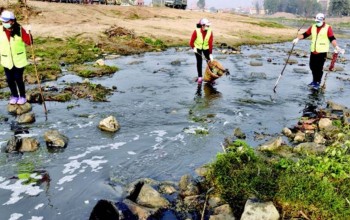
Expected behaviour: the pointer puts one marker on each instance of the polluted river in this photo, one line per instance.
(169, 125)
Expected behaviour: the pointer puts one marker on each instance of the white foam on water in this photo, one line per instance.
(89, 150)
(137, 137)
(2, 178)
(85, 125)
(26, 135)
(193, 129)
(66, 179)
(178, 137)
(131, 152)
(15, 216)
(3, 132)
(39, 206)
(2, 142)
(159, 139)
(116, 146)
(225, 123)
(157, 146)
(80, 167)
(95, 164)
(37, 218)
(160, 133)
(36, 176)
(18, 189)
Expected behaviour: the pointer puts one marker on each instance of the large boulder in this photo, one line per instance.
(143, 213)
(223, 212)
(28, 117)
(25, 144)
(19, 109)
(151, 198)
(309, 148)
(324, 123)
(188, 187)
(104, 209)
(254, 210)
(109, 124)
(271, 145)
(54, 138)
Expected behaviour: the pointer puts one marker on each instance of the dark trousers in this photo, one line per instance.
(316, 65)
(14, 79)
(200, 60)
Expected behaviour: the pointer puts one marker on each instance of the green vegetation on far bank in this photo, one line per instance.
(316, 184)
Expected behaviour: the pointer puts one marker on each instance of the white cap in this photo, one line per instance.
(204, 21)
(6, 16)
(319, 17)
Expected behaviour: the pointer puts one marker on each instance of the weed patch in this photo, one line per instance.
(318, 185)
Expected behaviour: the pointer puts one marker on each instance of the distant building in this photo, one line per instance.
(139, 2)
(253, 11)
(158, 3)
(325, 5)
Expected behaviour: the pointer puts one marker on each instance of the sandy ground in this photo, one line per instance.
(173, 26)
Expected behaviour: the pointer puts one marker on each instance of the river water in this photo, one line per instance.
(155, 104)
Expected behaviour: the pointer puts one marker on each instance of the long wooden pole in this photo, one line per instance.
(35, 65)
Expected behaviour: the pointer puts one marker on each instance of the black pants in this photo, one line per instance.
(14, 78)
(316, 65)
(200, 60)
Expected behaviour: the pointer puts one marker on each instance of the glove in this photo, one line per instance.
(339, 50)
(211, 57)
(195, 50)
(295, 41)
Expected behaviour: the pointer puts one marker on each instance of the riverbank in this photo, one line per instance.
(156, 139)
(71, 34)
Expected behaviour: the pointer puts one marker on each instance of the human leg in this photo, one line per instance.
(316, 65)
(199, 62)
(11, 82)
(18, 75)
(206, 54)
(312, 65)
(321, 59)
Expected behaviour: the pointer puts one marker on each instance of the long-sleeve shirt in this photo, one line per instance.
(194, 37)
(330, 34)
(26, 37)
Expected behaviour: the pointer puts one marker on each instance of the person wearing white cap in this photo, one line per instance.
(13, 39)
(202, 43)
(321, 37)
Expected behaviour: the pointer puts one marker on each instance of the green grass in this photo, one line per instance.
(269, 24)
(318, 185)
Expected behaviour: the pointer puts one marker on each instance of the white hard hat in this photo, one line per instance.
(6, 16)
(204, 21)
(319, 17)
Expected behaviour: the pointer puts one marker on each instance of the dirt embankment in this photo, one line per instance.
(172, 26)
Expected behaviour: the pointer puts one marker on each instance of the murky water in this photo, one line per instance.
(155, 105)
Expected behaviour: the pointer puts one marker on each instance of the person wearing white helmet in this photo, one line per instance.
(321, 38)
(202, 44)
(13, 39)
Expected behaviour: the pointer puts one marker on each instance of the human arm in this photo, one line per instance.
(27, 37)
(211, 40)
(333, 41)
(193, 38)
(306, 34)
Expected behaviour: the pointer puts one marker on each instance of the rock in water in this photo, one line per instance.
(109, 124)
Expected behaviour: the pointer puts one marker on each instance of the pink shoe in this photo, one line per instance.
(199, 80)
(13, 100)
(21, 101)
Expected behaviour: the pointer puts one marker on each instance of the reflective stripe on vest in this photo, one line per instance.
(12, 53)
(201, 44)
(320, 41)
